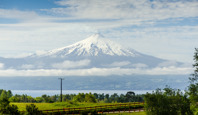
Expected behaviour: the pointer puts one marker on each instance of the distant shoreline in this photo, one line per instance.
(36, 93)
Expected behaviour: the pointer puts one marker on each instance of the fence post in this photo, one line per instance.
(124, 107)
(114, 109)
(143, 105)
(119, 108)
(73, 111)
(139, 107)
(106, 107)
(129, 107)
(101, 109)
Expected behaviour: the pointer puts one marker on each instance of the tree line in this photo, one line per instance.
(81, 97)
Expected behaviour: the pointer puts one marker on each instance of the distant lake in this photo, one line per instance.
(38, 93)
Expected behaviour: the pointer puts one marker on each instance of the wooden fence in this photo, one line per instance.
(103, 109)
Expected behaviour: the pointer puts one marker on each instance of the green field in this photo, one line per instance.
(58, 105)
(61, 105)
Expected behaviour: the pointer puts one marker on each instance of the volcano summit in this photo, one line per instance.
(92, 52)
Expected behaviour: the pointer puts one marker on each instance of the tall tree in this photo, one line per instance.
(9, 93)
(3, 102)
(5, 108)
(130, 96)
(194, 77)
(193, 87)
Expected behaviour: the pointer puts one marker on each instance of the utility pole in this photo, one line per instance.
(61, 89)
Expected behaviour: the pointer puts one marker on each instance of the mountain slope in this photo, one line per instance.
(93, 52)
(94, 45)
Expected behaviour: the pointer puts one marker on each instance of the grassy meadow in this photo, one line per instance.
(57, 105)
(60, 105)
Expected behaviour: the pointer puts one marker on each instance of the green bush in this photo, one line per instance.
(5, 107)
(169, 101)
(13, 110)
(88, 97)
(32, 110)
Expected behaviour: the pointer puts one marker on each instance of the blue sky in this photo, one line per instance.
(27, 4)
(163, 28)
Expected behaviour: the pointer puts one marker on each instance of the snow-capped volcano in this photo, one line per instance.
(92, 52)
(94, 45)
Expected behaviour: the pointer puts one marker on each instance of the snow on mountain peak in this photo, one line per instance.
(94, 38)
(94, 45)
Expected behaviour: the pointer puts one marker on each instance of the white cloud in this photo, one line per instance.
(96, 72)
(170, 70)
(40, 52)
(127, 9)
(167, 64)
(71, 64)
(173, 42)
(119, 64)
(27, 66)
(126, 63)
(1, 65)
(17, 14)
(139, 65)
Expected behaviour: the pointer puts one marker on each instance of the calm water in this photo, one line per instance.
(37, 93)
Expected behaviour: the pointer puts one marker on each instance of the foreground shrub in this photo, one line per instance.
(32, 110)
(5, 107)
(167, 102)
(13, 110)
